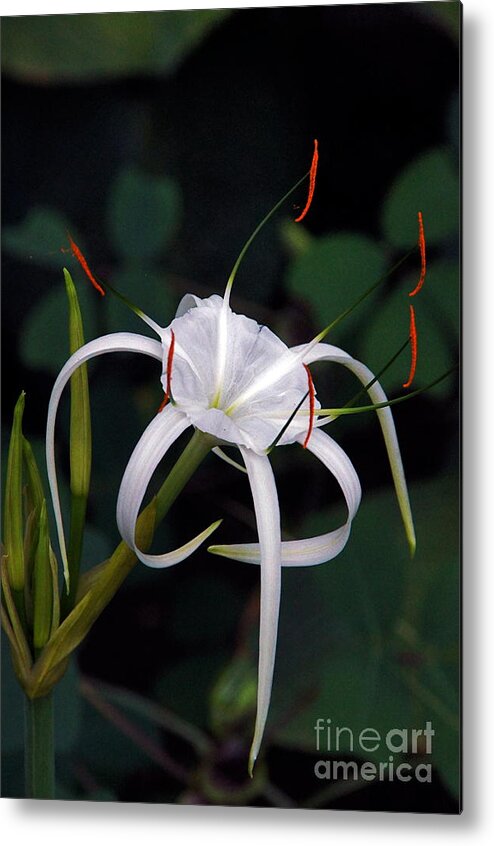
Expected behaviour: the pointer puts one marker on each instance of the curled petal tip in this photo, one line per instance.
(218, 549)
(214, 526)
(252, 762)
(66, 571)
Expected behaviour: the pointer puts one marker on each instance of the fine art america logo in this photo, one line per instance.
(396, 742)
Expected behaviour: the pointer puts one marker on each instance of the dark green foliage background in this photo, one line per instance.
(159, 140)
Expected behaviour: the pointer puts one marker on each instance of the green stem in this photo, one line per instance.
(194, 453)
(98, 586)
(39, 748)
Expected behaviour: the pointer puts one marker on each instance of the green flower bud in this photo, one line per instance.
(13, 508)
(80, 443)
(42, 586)
(80, 416)
(35, 491)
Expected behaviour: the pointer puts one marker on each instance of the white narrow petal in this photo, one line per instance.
(118, 342)
(316, 550)
(158, 437)
(267, 511)
(327, 352)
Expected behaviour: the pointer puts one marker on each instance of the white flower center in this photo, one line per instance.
(241, 406)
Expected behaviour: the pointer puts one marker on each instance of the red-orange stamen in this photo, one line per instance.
(169, 363)
(312, 182)
(312, 396)
(82, 261)
(165, 402)
(423, 263)
(413, 346)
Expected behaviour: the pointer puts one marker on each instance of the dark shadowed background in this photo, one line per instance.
(160, 140)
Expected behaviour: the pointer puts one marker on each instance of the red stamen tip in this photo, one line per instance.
(423, 262)
(413, 346)
(312, 182)
(312, 396)
(169, 363)
(82, 261)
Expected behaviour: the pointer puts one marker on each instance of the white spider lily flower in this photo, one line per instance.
(231, 378)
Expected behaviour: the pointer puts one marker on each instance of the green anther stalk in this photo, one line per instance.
(256, 231)
(346, 313)
(359, 409)
(43, 587)
(13, 511)
(80, 444)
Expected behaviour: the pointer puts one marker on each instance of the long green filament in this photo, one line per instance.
(360, 299)
(222, 325)
(337, 412)
(130, 305)
(286, 425)
(256, 231)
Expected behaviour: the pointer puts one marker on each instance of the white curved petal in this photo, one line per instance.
(187, 302)
(316, 550)
(161, 433)
(327, 352)
(118, 342)
(267, 511)
(190, 301)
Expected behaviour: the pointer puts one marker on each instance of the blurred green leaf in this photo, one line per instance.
(44, 342)
(233, 695)
(185, 687)
(39, 237)
(437, 316)
(334, 271)
(384, 630)
(143, 215)
(70, 48)
(429, 184)
(295, 238)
